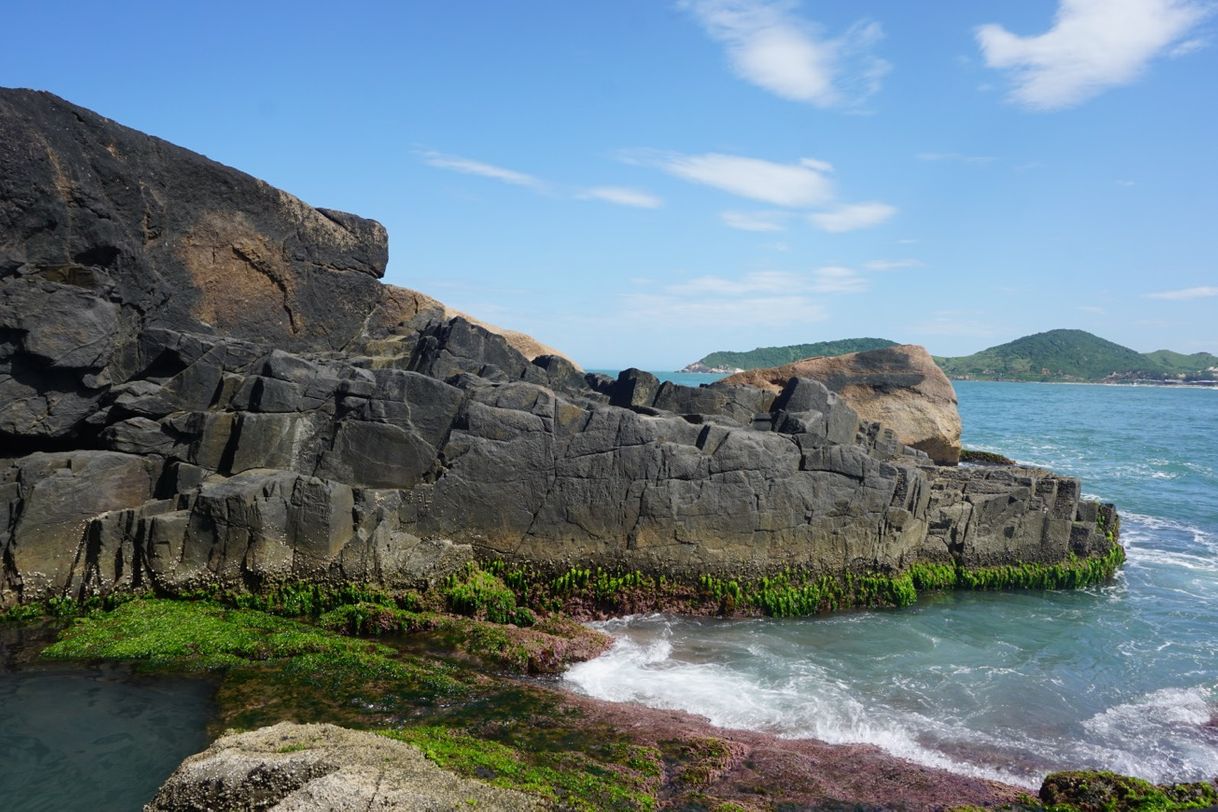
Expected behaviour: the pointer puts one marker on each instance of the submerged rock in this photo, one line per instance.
(324, 768)
(203, 384)
(900, 387)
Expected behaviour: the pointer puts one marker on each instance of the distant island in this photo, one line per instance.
(726, 361)
(1065, 356)
(1079, 356)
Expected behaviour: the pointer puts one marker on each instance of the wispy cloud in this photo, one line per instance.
(756, 298)
(955, 323)
(755, 220)
(852, 216)
(622, 196)
(741, 311)
(827, 280)
(956, 157)
(468, 166)
(619, 195)
(893, 264)
(1093, 45)
(1184, 294)
(835, 279)
(771, 47)
(800, 184)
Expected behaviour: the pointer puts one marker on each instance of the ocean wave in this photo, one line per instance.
(1158, 736)
(808, 703)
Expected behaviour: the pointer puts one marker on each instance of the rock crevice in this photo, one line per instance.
(203, 383)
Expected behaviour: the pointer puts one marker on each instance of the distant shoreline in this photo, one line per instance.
(1206, 385)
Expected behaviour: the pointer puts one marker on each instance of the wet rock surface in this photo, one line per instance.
(204, 383)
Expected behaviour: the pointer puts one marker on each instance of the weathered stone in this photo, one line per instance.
(270, 411)
(323, 768)
(900, 387)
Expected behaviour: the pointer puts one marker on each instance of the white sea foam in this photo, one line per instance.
(809, 703)
(1158, 736)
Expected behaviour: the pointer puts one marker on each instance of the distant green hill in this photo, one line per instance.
(1074, 355)
(1180, 363)
(776, 356)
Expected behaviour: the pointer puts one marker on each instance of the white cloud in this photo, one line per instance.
(622, 196)
(830, 279)
(774, 49)
(955, 157)
(1184, 294)
(893, 264)
(1093, 45)
(739, 311)
(834, 279)
(955, 323)
(852, 216)
(793, 185)
(468, 166)
(619, 195)
(1189, 46)
(758, 297)
(755, 220)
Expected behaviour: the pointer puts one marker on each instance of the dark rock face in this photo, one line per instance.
(202, 382)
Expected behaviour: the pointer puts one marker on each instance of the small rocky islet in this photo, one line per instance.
(229, 448)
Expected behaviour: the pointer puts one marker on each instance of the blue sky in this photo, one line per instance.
(641, 182)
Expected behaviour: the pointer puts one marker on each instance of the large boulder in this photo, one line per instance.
(323, 768)
(899, 387)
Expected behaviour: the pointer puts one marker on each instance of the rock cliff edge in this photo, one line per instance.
(204, 383)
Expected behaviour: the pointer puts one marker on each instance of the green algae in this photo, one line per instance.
(573, 779)
(1100, 791)
(792, 592)
(477, 593)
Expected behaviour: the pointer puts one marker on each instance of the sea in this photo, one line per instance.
(1003, 685)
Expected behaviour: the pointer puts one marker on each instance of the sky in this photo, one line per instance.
(642, 182)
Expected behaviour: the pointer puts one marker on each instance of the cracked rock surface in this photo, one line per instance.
(203, 382)
(323, 768)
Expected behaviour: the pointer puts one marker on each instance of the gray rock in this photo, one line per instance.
(323, 768)
(202, 382)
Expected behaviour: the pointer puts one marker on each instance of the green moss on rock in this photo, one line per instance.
(574, 780)
(1099, 791)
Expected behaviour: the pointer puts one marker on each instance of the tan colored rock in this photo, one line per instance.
(323, 768)
(900, 387)
(402, 306)
(523, 343)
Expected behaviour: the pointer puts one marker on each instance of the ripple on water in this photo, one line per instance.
(90, 740)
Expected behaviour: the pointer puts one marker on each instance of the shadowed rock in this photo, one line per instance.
(202, 382)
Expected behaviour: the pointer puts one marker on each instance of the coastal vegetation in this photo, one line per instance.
(407, 666)
(762, 357)
(1076, 355)
(1055, 355)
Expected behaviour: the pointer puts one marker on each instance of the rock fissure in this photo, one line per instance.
(199, 428)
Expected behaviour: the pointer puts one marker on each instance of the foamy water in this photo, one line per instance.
(999, 685)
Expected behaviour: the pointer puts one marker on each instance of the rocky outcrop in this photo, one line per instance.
(324, 768)
(900, 387)
(203, 383)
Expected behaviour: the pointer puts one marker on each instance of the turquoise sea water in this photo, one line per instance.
(1004, 685)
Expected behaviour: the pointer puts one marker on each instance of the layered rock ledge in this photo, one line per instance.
(203, 384)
